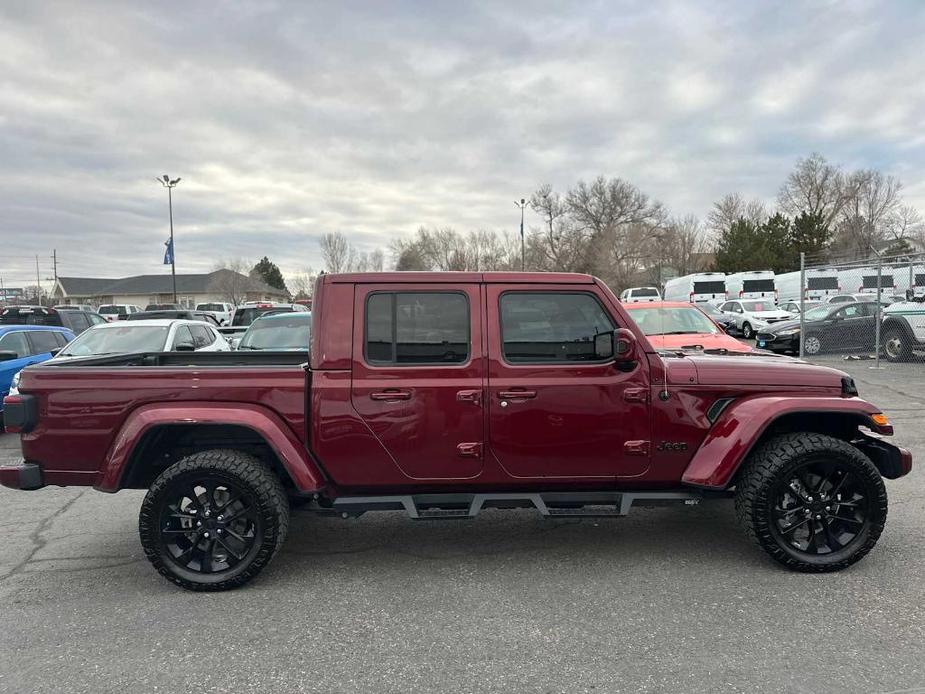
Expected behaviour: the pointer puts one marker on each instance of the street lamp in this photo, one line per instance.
(170, 184)
(522, 204)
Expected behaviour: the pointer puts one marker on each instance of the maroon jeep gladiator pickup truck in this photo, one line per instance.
(442, 394)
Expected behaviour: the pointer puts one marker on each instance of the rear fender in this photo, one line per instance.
(305, 474)
(742, 424)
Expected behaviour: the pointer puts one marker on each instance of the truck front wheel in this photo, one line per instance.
(813, 502)
(213, 520)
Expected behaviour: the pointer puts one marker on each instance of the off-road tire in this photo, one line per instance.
(774, 461)
(747, 331)
(896, 344)
(246, 473)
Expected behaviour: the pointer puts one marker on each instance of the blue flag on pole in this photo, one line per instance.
(168, 254)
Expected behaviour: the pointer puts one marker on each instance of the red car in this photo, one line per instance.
(442, 394)
(681, 325)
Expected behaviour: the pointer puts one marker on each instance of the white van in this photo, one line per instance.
(696, 288)
(635, 295)
(756, 284)
(821, 283)
(910, 277)
(863, 280)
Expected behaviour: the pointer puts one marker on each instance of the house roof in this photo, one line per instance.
(162, 284)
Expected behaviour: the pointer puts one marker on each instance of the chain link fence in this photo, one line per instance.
(861, 310)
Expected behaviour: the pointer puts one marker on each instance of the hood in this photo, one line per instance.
(783, 325)
(701, 340)
(764, 371)
(771, 314)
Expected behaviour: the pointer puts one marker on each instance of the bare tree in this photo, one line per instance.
(684, 245)
(230, 279)
(873, 203)
(303, 283)
(814, 187)
(733, 207)
(335, 251)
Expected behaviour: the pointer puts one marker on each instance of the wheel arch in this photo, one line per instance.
(154, 437)
(747, 424)
(898, 322)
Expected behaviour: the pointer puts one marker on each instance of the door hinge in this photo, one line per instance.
(469, 450)
(636, 447)
(636, 395)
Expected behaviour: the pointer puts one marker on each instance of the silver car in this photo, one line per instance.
(751, 315)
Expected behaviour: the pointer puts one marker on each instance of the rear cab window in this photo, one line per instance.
(416, 328)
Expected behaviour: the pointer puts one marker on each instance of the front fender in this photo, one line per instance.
(742, 423)
(305, 474)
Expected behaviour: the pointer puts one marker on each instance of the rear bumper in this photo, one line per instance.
(24, 476)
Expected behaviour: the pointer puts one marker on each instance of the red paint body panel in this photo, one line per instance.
(579, 425)
(740, 425)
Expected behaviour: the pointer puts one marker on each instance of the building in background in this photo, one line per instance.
(217, 286)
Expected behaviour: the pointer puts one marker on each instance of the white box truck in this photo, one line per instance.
(698, 287)
(863, 280)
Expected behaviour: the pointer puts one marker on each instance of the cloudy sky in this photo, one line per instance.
(287, 120)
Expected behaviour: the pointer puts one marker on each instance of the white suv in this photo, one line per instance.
(635, 295)
(221, 311)
(114, 312)
(751, 315)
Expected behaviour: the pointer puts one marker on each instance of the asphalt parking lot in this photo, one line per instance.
(668, 599)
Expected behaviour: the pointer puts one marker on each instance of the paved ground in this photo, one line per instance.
(670, 599)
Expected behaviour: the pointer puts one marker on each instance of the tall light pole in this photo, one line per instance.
(169, 184)
(522, 204)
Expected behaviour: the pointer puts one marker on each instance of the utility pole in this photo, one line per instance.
(169, 184)
(522, 204)
(38, 282)
(54, 260)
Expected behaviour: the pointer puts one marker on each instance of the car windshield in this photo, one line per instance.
(124, 339)
(673, 321)
(118, 310)
(288, 332)
(818, 313)
(758, 306)
(709, 309)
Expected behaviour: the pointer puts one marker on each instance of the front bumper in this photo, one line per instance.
(775, 343)
(24, 476)
(892, 461)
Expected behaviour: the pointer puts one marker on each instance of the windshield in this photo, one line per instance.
(673, 321)
(644, 291)
(758, 306)
(818, 313)
(291, 332)
(246, 316)
(122, 340)
(117, 310)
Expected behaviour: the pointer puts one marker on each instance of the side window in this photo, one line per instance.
(95, 319)
(551, 327)
(15, 342)
(406, 328)
(183, 337)
(43, 341)
(728, 306)
(75, 320)
(61, 338)
(202, 336)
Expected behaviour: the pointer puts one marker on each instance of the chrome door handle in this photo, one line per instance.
(390, 395)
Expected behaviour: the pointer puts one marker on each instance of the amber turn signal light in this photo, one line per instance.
(880, 420)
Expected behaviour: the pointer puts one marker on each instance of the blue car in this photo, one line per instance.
(22, 345)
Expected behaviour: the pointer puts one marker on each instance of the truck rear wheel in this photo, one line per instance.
(213, 520)
(813, 502)
(896, 345)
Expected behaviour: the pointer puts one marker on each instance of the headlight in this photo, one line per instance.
(789, 331)
(14, 384)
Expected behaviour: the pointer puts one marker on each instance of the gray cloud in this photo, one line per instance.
(288, 120)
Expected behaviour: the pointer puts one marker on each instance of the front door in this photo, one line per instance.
(556, 411)
(418, 376)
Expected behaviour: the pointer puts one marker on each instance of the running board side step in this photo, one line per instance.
(549, 504)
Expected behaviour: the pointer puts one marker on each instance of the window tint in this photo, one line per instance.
(15, 342)
(61, 338)
(547, 327)
(43, 342)
(202, 336)
(849, 311)
(766, 285)
(822, 283)
(183, 336)
(715, 287)
(417, 328)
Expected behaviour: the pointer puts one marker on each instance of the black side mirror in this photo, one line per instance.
(185, 347)
(8, 356)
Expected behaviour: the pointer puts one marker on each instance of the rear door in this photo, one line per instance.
(554, 409)
(418, 376)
